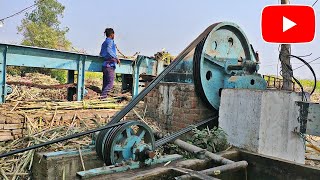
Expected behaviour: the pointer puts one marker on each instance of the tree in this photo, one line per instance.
(41, 27)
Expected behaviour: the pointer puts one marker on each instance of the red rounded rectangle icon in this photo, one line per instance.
(288, 24)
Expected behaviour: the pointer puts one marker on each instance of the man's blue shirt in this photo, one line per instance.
(108, 51)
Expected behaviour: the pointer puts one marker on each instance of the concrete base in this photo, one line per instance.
(56, 165)
(263, 122)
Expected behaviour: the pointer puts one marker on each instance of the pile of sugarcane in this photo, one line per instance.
(164, 56)
(312, 150)
(18, 166)
(109, 103)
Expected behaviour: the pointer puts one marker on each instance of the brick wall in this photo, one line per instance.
(175, 106)
(11, 126)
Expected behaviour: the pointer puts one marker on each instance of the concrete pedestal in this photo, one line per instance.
(263, 122)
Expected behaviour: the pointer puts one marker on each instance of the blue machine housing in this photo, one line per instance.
(224, 59)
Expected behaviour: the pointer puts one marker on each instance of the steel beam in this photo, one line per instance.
(53, 59)
(143, 64)
(3, 62)
(80, 79)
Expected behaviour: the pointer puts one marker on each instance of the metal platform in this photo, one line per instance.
(16, 55)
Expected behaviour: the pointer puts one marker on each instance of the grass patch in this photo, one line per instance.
(99, 76)
(93, 75)
(60, 75)
(306, 83)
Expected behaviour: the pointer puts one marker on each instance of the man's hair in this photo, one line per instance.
(108, 32)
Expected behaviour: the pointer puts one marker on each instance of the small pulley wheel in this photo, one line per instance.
(126, 142)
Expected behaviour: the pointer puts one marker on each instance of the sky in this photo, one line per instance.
(147, 26)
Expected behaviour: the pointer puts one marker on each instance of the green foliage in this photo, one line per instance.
(94, 75)
(306, 83)
(41, 27)
(14, 71)
(214, 140)
(171, 148)
(118, 78)
(41, 35)
(47, 13)
(21, 71)
(60, 75)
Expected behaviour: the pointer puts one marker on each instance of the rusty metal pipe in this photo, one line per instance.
(191, 174)
(226, 168)
(235, 67)
(193, 149)
(219, 170)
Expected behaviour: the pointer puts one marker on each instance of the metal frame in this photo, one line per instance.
(148, 65)
(16, 55)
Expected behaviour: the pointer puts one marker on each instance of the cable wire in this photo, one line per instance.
(315, 3)
(287, 68)
(308, 63)
(21, 11)
(305, 55)
(311, 69)
(17, 13)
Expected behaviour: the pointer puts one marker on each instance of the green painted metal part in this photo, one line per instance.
(16, 55)
(144, 64)
(132, 165)
(125, 143)
(70, 152)
(224, 59)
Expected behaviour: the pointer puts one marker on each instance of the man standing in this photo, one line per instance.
(108, 52)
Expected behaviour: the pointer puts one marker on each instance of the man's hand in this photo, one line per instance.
(118, 61)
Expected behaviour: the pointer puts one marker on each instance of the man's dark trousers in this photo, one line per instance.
(108, 79)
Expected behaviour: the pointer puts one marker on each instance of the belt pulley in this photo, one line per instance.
(132, 140)
(220, 55)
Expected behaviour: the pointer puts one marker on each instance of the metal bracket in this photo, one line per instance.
(134, 165)
(309, 118)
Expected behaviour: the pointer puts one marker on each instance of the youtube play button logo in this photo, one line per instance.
(288, 24)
